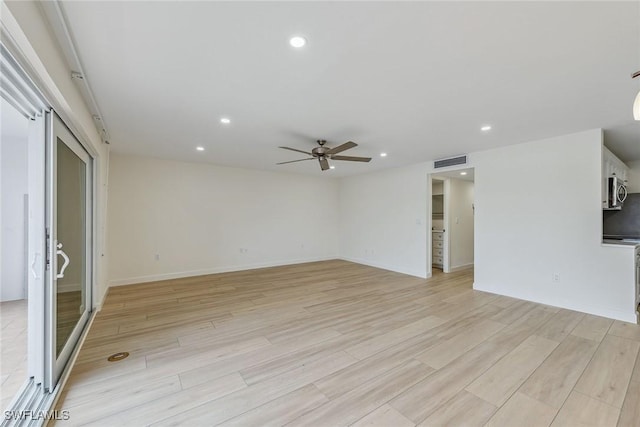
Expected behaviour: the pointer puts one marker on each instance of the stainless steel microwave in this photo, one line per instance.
(616, 193)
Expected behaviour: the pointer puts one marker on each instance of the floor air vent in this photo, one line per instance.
(451, 161)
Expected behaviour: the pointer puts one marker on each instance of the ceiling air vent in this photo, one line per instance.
(451, 161)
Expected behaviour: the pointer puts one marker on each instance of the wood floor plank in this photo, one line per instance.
(446, 382)
(625, 330)
(592, 327)
(500, 381)
(123, 399)
(358, 402)
(95, 372)
(351, 377)
(384, 416)
(607, 375)
(178, 402)
(451, 349)
(197, 357)
(256, 395)
(338, 343)
(636, 371)
(552, 382)
(380, 342)
(464, 409)
(560, 325)
(630, 413)
(282, 410)
(582, 410)
(261, 357)
(523, 411)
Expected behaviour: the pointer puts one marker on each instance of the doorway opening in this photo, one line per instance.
(14, 136)
(452, 211)
(46, 244)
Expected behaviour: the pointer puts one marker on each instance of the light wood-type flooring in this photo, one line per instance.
(13, 349)
(335, 343)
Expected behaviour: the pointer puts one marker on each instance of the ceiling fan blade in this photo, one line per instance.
(299, 151)
(293, 161)
(324, 164)
(351, 158)
(341, 148)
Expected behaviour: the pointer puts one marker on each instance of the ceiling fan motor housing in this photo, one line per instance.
(319, 151)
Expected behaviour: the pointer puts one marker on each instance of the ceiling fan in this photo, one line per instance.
(323, 154)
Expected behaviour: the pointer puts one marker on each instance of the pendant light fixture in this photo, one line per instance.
(636, 103)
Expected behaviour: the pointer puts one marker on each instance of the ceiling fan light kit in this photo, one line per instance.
(324, 154)
(636, 103)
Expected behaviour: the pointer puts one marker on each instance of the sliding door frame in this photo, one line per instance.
(54, 362)
(42, 95)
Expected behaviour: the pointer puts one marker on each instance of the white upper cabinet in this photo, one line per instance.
(611, 166)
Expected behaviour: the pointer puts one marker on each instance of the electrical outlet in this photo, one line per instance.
(157, 257)
(555, 277)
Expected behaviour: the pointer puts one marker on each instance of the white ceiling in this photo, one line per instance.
(414, 79)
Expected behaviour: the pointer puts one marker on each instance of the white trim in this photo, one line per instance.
(202, 272)
(57, 18)
(567, 304)
(461, 267)
(192, 273)
(414, 273)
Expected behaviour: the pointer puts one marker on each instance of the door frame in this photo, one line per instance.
(434, 176)
(41, 87)
(54, 363)
(445, 176)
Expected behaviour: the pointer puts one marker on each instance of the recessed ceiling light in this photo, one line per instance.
(485, 128)
(463, 173)
(383, 154)
(332, 167)
(225, 120)
(297, 41)
(199, 148)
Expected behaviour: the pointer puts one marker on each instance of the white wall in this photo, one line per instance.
(13, 171)
(199, 219)
(460, 228)
(383, 219)
(538, 214)
(437, 187)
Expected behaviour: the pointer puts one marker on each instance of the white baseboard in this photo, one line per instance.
(419, 274)
(569, 305)
(461, 267)
(216, 270)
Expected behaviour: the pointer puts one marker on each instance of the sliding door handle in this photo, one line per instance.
(33, 266)
(60, 252)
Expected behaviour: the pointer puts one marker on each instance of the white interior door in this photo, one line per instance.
(69, 244)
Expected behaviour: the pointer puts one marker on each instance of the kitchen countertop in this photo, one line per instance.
(621, 242)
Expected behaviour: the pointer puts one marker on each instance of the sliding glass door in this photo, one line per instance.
(69, 261)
